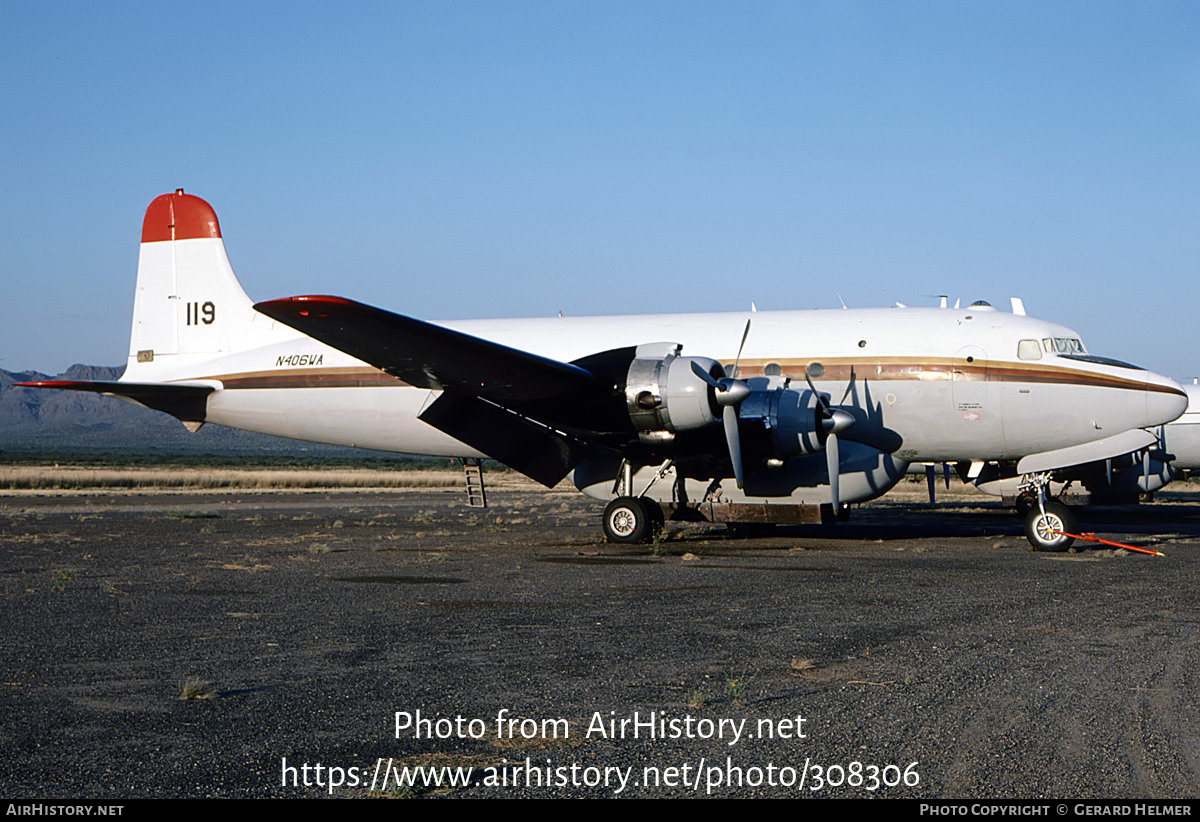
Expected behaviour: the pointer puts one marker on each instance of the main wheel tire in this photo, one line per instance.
(658, 517)
(631, 519)
(1040, 527)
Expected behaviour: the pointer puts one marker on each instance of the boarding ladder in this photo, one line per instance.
(476, 494)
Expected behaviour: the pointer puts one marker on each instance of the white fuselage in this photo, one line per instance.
(946, 383)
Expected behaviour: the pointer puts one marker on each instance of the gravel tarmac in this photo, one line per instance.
(274, 644)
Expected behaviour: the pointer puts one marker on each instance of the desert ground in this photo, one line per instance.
(246, 641)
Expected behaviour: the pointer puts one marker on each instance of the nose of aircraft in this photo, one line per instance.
(1165, 400)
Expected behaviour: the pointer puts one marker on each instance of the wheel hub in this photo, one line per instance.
(1048, 527)
(622, 521)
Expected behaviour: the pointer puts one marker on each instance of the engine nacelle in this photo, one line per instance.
(665, 396)
(789, 419)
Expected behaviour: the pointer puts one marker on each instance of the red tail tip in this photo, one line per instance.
(179, 216)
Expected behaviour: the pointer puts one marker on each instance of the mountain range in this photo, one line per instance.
(66, 423)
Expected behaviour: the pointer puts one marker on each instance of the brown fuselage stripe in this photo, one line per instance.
(900, 369)
(894, 369)
(349, 377)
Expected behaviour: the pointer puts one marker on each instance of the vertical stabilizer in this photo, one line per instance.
(189, 306)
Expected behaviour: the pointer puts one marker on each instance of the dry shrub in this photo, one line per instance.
(68, 478)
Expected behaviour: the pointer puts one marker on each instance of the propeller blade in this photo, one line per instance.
(849, 386)
(831, 455)
(931, 482)
(820, 398)
(704, 375)
(729, 394)
(737, 361)
(729, 416)
(728, 390)
(835, 421)
(946, 474)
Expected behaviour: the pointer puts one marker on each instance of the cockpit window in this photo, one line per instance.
(1029, 350)
(1103, 361)
(1064, 345)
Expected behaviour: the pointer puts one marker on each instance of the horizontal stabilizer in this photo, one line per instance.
(1115, 446)
(184, 402)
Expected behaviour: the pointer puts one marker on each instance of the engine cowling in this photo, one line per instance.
(790, 422)
(664, 395)
(667, 394)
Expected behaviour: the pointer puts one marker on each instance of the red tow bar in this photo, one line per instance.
(1094, 538)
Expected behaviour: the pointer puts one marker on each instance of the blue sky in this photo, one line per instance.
(462, 159)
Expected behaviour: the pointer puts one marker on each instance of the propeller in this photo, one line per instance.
(833, 422)
(729, 393)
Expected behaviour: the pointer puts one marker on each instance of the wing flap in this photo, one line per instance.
(538, 452)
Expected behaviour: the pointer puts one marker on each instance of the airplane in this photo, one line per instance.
(756, 416)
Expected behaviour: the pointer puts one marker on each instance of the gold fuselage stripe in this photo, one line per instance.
(911, 369)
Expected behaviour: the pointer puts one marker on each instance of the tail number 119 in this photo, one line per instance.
(198, 313)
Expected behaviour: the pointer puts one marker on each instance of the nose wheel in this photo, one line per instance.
(632, 520)
(1042, 524)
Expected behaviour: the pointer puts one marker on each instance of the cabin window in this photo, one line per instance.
(1029, 350)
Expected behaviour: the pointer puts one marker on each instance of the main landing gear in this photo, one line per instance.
(633, 519)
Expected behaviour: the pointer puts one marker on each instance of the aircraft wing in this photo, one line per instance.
(1115, 446)
(532, 413)
(431, 356)
(180, 400)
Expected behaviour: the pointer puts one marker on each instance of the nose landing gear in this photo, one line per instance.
(1046, 519)
(1045, 524)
